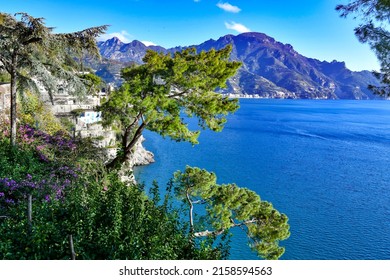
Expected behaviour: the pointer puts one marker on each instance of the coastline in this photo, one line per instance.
(257, 96)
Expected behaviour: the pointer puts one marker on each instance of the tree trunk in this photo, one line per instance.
(127, 149)
(29, 212)
(72, 252)
(191, 212)
(13, 101)
(115, 163)
(209, 233)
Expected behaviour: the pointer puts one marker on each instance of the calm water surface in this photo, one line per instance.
(325, 164)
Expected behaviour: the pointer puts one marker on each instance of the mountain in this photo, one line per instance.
(270, 69)
(134, 51)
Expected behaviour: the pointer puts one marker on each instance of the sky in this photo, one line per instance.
(312, 27)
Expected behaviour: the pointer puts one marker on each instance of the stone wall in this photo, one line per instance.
(5, 96)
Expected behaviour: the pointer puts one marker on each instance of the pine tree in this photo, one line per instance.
(156, 94)
(228, 206)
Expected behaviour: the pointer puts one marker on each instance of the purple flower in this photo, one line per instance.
(31, 185)
(10, 201)
(59, 194)
(13, 185)
(1, 194)
(40, 147)
(43, 158)
(29, 177)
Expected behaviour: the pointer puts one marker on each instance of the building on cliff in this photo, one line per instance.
(81, 112)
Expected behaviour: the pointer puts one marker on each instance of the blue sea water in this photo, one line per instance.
(325, 164)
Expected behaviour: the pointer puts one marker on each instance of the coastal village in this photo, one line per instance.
(86, 121)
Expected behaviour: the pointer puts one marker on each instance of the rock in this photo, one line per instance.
(140, 157)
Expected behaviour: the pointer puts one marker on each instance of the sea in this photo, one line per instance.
(324, 163)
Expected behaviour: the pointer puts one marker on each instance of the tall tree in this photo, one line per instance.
(375, 15)
(157, 93)
(228, 206)
(34, 56)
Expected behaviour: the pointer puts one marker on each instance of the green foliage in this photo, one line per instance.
(77, 112)
(155, 95)
(375, 15)
(4, 76)
(92, 82)
(67, 124)
(35, 112)
(106, 218)
(120, 222)
(228, 206)
(17, 163)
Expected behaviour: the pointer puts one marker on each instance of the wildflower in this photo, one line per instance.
(10, 201)
(43, 158)
(40, 147)
(59, 194)
(1, 194)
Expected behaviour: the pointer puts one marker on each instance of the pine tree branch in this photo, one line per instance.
(32, 40)
(220, 231)
(200, 201)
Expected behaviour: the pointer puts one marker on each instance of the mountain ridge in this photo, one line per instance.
(270, 69)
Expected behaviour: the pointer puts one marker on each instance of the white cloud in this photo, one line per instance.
(228, 7)
(148, 43)
(240, 28)
(123, 36)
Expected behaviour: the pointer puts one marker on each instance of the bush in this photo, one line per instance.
(17, 163)
(35, 112)
(107, 219)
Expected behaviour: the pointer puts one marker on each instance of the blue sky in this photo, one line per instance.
(313, 27)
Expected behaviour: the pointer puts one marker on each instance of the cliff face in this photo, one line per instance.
(141, 156)
(270, 69)
(87, 124)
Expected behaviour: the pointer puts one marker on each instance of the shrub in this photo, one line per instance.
(107, 219)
